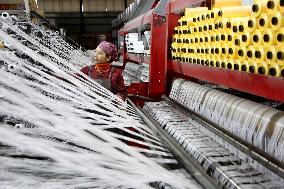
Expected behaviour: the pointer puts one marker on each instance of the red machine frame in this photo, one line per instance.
(162, 67)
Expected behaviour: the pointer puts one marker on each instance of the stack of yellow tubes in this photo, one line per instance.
(241, 38)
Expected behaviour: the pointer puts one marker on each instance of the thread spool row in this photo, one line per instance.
(223, 33)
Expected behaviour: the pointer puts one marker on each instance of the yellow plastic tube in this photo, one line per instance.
(193, 11)
(269, 37)
(250, 52)
(205, 27)
(246, 38)
(218, 62)
(224, 22)
(223, 3)
(237, 65)
(242, 53)
(277, 20)
(238, 41)
(232, 52)
(251, 25)
(224, 37)
(237, 24)
(276, 70)
(218, 51)
(212, 61)
(245, 66)
(235, 11)
(253, 66)
(271, 54)
(189, 21)
(280, 36)
(212, 38)
(224, 51)
(263, 68)
(280, 54)
(214, 13)
(263, 22)
(259, 53)
(258, 7)
(230, 37)
(272, 6)
(256, 37)
(218, 38)
(230, 64)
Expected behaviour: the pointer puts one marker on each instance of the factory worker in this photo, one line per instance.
(103, 72)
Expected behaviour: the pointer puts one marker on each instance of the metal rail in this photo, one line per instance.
(196, 171)
(268, 161)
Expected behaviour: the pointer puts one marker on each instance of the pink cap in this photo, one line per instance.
(109, 49)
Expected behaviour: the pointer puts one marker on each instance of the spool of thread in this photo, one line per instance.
(217, 38)
(230, 64)
(218, 24)
(214, 14)
(224, 51)
(223, 62)
(237, 65)
(224, 37)
(232, 52)
(218, 51)
(253, 67)
(251, 25)
(189, 21)
(207, 38)
(201, 38)
(257, 37)
(264, 22)
(212, 62)
(205, 27)
(276, 70)
(271, 54)
(237, 11)
(6, 17)
(250, 52)
(223, 3)
(237, 24)
(212, 38)
(218, 63)
(212, 51)
(272, 5)
(224, 22)
(263, 68)
(194, 11)
(258, 7)
(242, 53)
(246, 38)
(230, 37)
(280, 54)
(281, 6)
(238, 40)
(242, 25)
(277, 20)
(268, 37)
(280, 36)
(198, 18)
(245, 66)
(259, 53)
